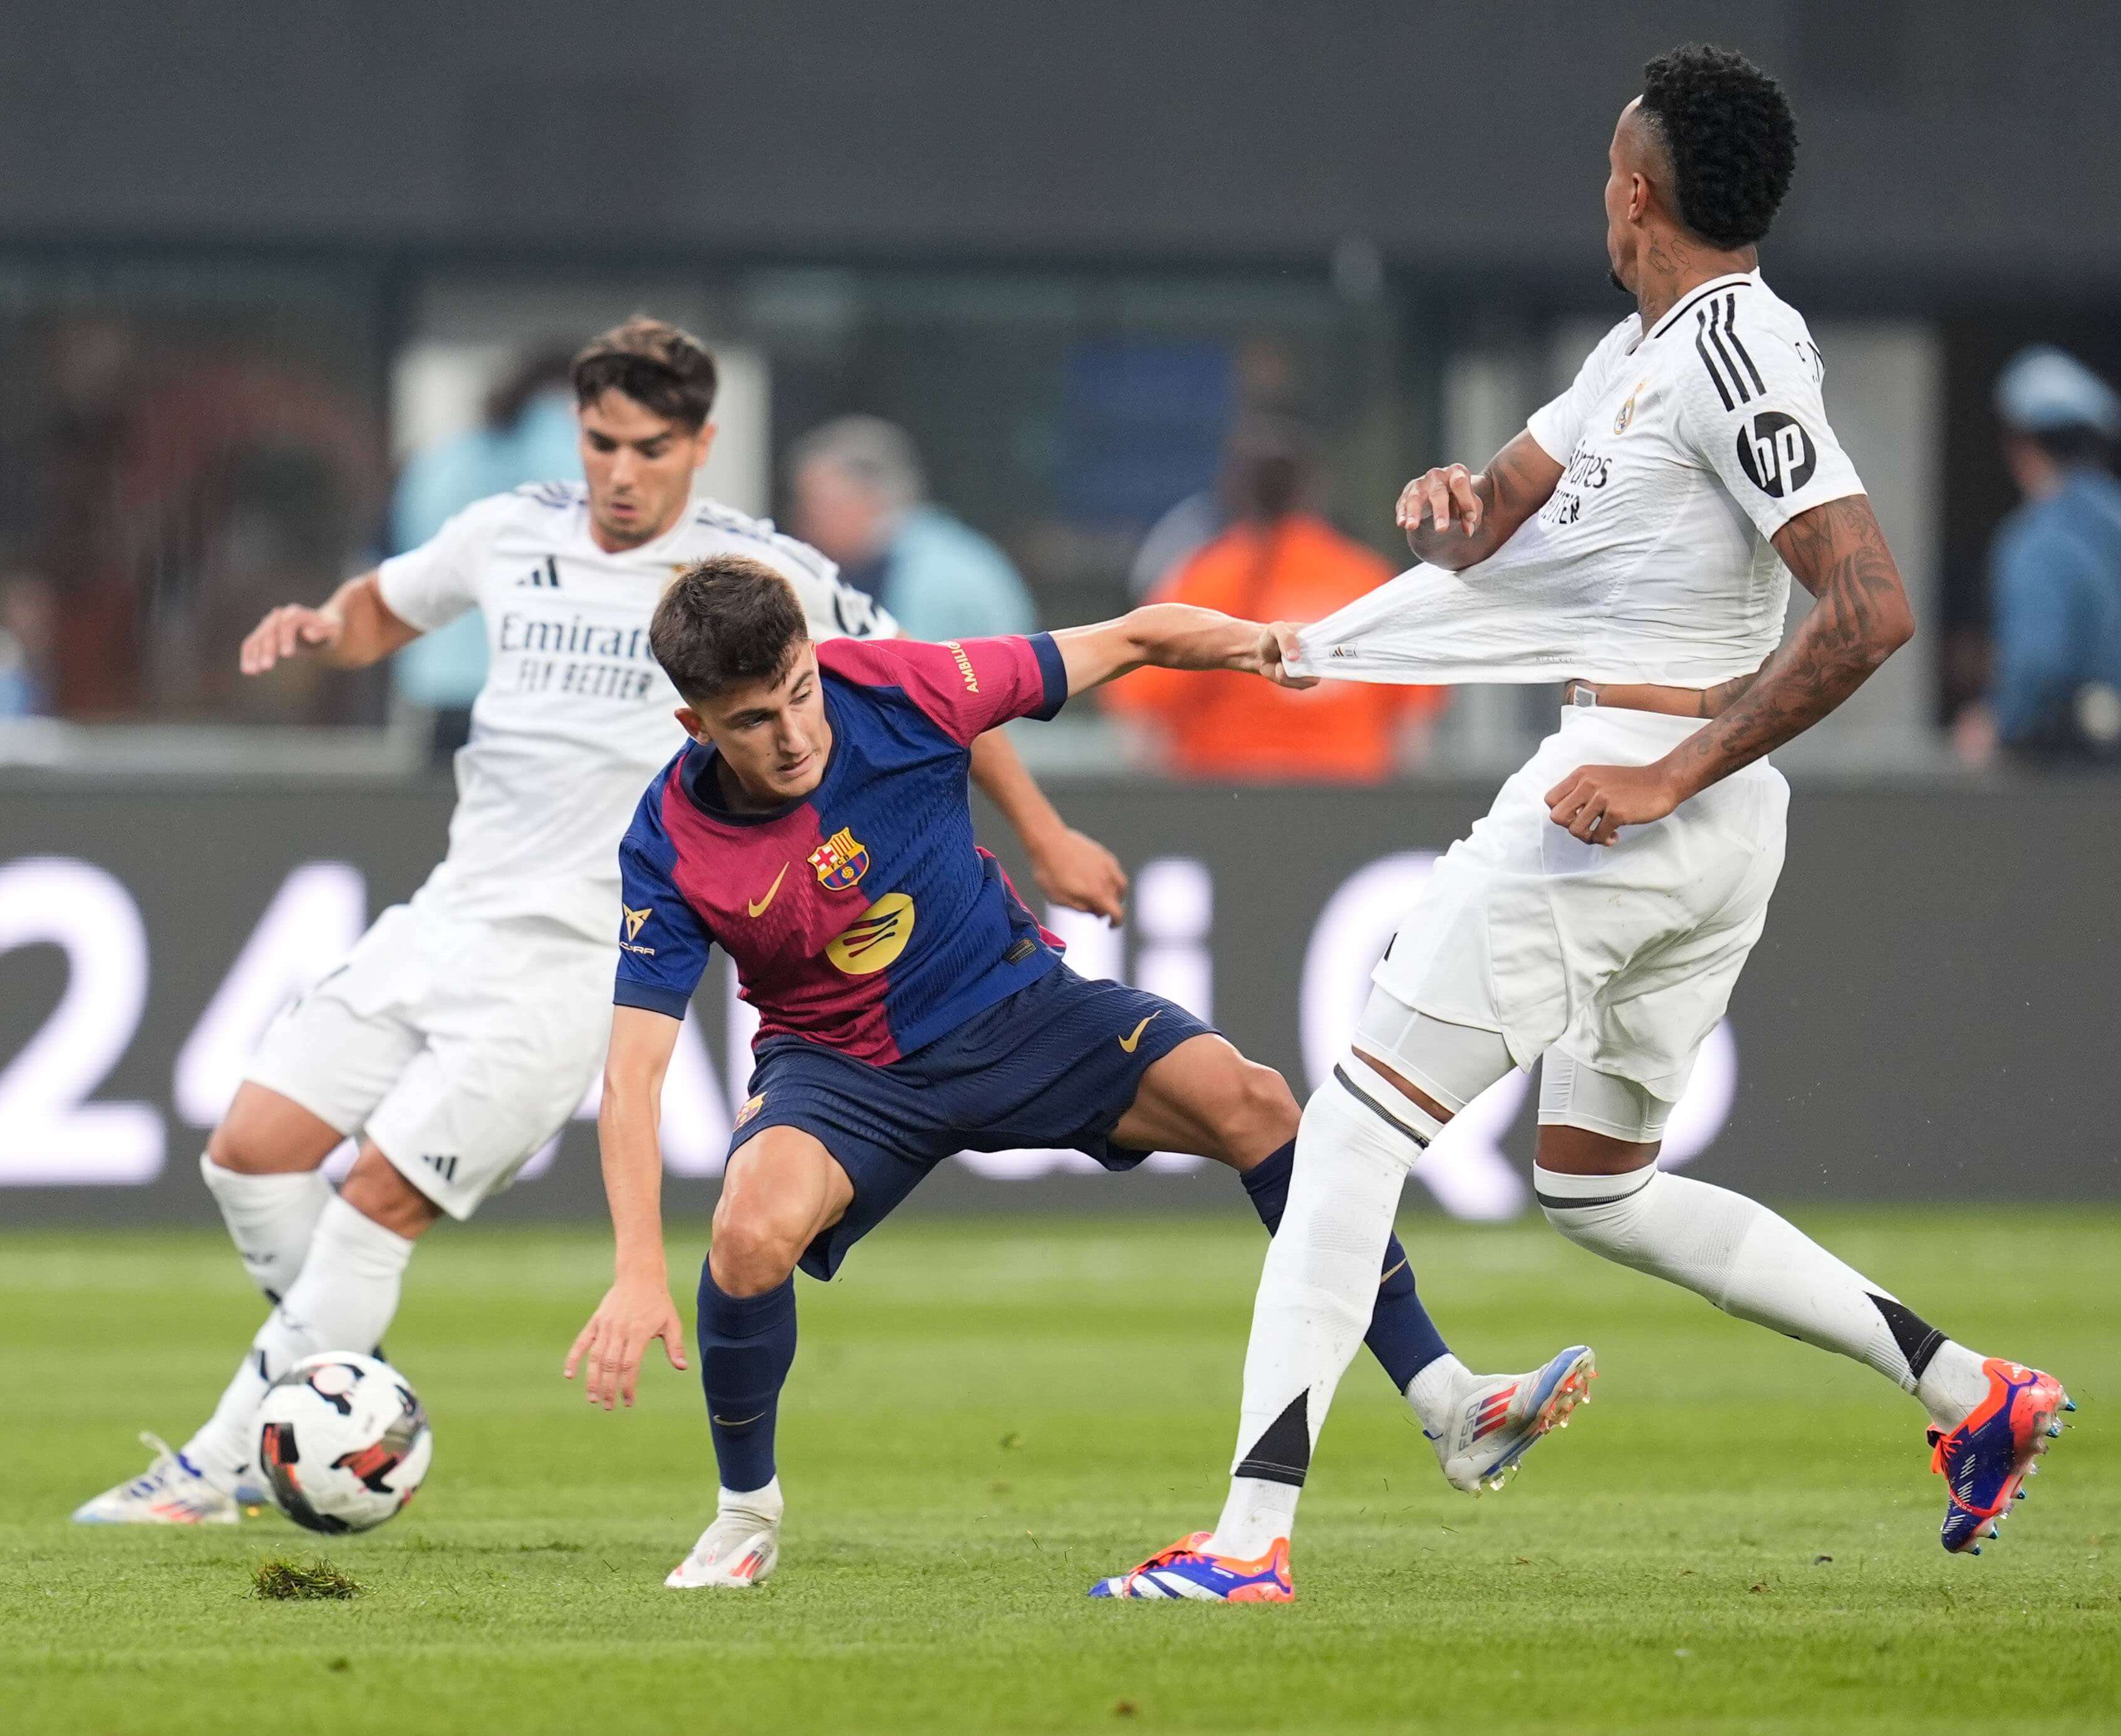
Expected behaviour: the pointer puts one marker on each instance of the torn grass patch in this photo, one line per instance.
(282, 1580)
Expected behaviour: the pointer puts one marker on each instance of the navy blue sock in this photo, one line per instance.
(747, 1346)
(1401, 1335)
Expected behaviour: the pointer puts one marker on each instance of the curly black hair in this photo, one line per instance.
(1732, 140)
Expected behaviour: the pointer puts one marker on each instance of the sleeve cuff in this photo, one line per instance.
(1785, 511)
(1546, 437)
(650, 998)
(390, 586)
(386, 587)
(1054, 674)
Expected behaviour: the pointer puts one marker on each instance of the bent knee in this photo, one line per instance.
(380, 1192)
(1601, 1209)
(233, 1145)
(243, 1140)
(246, 1144)
(264, 1134)
(1261, 1109)
(754, 1250)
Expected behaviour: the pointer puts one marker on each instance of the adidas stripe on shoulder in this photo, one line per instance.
(1723, 352)
(854, 614)
(730, 522)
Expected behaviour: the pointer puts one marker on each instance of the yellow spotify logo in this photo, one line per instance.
(875, 937)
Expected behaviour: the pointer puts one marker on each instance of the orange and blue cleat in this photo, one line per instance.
(1183, 1572)
(1984, 1462)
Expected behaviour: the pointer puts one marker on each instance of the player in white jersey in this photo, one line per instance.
(463, 1030)
(1638, 538)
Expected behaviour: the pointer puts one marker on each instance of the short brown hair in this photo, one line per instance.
(726, 620)
(655, 364)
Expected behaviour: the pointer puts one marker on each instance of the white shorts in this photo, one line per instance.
(1621, 957)
(458, 1048)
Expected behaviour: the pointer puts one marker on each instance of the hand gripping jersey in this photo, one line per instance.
(1684, 449)
(576, 713)
(862, 917)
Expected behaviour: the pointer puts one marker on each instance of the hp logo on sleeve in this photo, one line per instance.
(1777, 454)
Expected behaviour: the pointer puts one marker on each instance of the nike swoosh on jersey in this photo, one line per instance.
(759, 908)
(734, 1423)
(1133, 1038)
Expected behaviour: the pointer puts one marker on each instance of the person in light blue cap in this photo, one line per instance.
(2055, 569)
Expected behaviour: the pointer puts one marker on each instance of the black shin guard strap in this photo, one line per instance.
(1918, 1339)
(1283, 1453)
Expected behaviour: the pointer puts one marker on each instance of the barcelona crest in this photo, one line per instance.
(840, 861)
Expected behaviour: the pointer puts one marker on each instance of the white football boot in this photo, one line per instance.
(740, 1548)
(168, 1492)
(1495, 1420)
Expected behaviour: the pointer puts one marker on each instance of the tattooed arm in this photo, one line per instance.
(1719, 699)
(1838, 554)
(1862, 617)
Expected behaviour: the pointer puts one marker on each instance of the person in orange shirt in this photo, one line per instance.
(1278, 560)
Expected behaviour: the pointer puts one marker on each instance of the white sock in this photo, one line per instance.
(763, 1504)
(344, 1299)
(1952, 1384)
(1749, 1263)
(1433, 1393)
(1256, 1516)
(270, 1219)
(1359, 1137)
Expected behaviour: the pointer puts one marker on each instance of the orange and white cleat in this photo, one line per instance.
(1183, 1570)
(1495, 1422)
(1984, 1462)
(739, 1549)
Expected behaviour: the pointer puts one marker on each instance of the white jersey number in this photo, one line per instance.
(50, 1134)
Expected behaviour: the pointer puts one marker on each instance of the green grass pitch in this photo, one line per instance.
(1739, 1535)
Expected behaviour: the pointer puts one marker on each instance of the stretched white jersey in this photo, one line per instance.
(575, 718)
(1684, 449)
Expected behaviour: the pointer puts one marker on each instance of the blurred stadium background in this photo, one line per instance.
(281, 287)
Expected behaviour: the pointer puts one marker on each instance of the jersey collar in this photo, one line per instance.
(1700, 292)
(657, 549)
(703, 789)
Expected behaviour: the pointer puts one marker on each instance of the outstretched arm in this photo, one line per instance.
(1071, 867)
(1174, 635)
(637, 1309)
(1862, 617)
(1454, 517)
(354, 628)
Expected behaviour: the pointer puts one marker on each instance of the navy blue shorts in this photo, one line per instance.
(1054, 1065)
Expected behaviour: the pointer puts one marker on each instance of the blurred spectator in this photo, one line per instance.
(527, 434)
(1279, 560)
(1266, 386)
(179, 478)
(2054, 570)
(25, 645)
(860, 498)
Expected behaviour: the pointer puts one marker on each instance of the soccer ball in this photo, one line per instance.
(342, 1441)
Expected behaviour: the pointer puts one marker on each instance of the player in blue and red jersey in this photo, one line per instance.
(818, 828)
